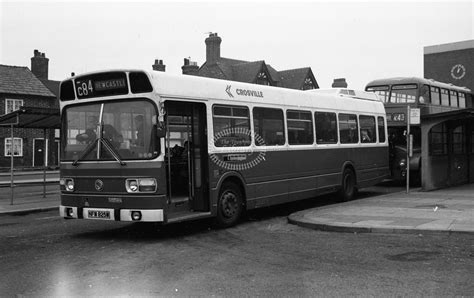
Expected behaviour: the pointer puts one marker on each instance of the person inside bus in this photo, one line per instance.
(90, 134)
(140, 141)
(365, 136)
(109, 133)
(176, 151)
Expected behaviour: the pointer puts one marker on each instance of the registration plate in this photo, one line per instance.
(105, 214)
(99, 214)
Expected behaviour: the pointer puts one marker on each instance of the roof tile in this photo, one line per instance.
(20, 80)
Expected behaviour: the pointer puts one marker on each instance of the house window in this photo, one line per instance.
(308, 84)
(17, 146)
(12, 105)
(262, 79)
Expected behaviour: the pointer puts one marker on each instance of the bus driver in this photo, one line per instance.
(109, 133)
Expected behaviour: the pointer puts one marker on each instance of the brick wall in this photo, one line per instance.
(27, 134)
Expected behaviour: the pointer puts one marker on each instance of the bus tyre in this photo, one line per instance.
(229, 205)
(348, 187)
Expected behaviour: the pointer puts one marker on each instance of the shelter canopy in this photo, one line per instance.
(32, 117)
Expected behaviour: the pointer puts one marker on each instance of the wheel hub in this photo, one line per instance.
(229, 204)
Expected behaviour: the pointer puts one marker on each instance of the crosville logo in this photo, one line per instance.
(239, 158)
(228, 90)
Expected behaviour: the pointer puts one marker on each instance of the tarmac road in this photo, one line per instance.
(44, 255)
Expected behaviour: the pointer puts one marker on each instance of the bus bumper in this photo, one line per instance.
(135, 215)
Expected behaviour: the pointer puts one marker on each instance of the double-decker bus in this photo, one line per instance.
(152, 147)
(430, 97)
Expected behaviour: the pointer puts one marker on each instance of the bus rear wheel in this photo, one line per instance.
(229, 205)
(348, 187)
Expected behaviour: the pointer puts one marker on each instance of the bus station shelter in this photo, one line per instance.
(30, 117)
(447, 154)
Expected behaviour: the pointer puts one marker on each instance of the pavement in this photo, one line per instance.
(26, 197)
(444, 211)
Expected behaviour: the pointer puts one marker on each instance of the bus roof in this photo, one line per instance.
(415, 80)
(232, 92)
(348, 93)
(187, 87)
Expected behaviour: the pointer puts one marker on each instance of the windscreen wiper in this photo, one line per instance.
(85, 152)
(112, 150)
(107, 146)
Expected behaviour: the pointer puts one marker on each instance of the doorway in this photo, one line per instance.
(458, 167)
(186, 155)
(39, 150)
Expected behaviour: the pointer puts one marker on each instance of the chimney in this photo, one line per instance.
(39, 65)
(189, 67)
(213, 48)
(159, 66)
(339, 83)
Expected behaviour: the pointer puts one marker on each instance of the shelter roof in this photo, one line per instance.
(452, 115)
(32, 117)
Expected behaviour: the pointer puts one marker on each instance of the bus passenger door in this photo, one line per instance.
(186, 155)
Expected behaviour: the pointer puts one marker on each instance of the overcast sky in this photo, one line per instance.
(359, 41)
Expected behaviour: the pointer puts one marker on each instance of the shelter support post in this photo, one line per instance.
(44, 162)
(11, 165)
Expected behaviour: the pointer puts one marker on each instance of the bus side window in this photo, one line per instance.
(381, 126)
(231, 126)
(454, 98)
(435, 96)
(462, 100)
(300, 127)
(424, 94)
(268, 126)
(367, 129)
(326, 127)
(348, 128)
(444, 97)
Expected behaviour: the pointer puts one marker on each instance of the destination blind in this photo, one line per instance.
(102, 84)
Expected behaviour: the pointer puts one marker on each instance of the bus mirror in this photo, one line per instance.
(160, 127)
(160, 131)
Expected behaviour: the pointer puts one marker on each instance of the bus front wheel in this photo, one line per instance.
(348, 187)
(229, 205)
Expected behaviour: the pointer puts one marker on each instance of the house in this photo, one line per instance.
(22, 87)
(256, 72)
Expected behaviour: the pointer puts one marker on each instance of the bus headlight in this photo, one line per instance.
(67, 183)
(403, 163)
(134, 185)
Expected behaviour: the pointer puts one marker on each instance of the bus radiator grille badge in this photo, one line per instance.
(99, 185)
